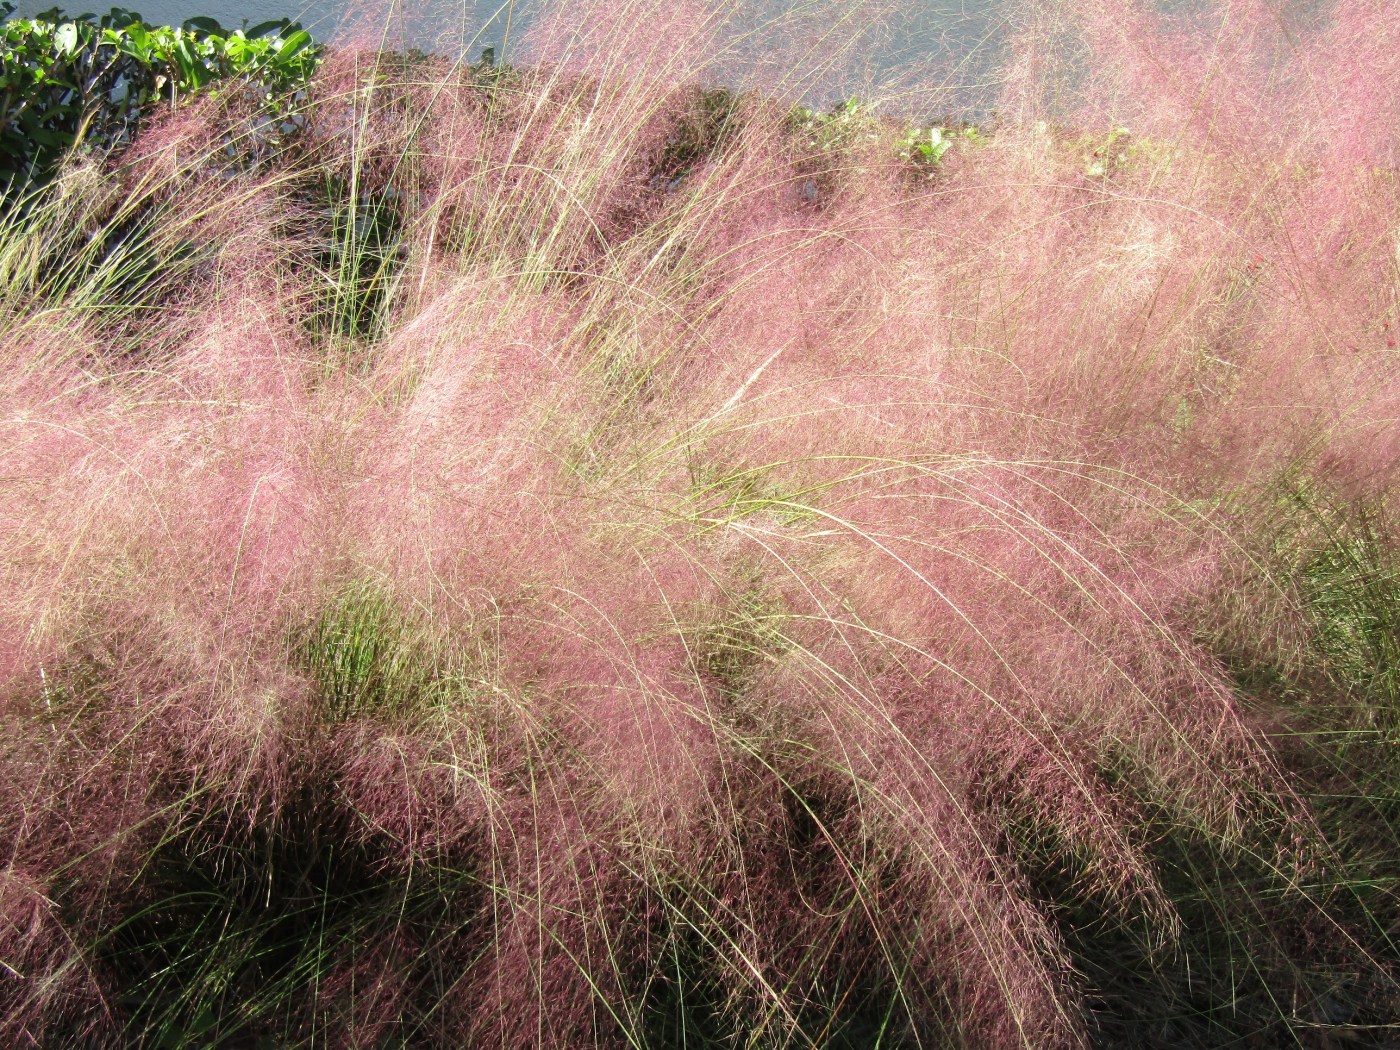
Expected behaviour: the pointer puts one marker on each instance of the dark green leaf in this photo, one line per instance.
(268, 28)
(203, 24)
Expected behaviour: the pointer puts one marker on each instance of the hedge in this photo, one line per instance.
(88, 80)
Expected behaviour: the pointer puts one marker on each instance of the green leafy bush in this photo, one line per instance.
(85, 79)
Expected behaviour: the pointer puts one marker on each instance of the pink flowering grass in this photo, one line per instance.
(572, 554)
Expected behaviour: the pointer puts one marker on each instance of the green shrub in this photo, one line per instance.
(89, 80)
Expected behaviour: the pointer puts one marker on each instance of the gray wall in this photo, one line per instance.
(952, 43)
(922, 27)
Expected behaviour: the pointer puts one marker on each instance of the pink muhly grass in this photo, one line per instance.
(627, 588)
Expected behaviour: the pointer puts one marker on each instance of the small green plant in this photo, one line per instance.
(924, 148)
(838, 128)
(1104, 156)
(853, 122)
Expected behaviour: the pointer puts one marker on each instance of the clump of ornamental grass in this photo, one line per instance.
(585, 552)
